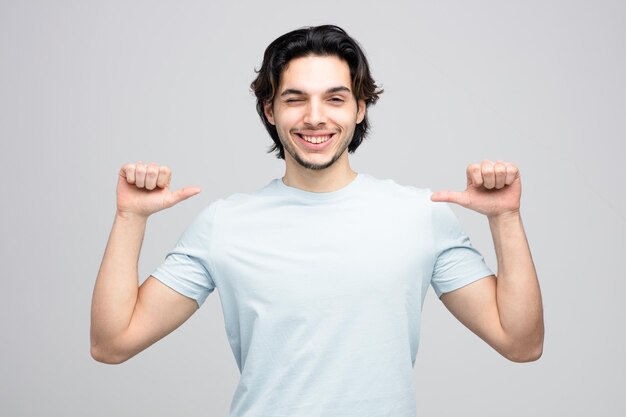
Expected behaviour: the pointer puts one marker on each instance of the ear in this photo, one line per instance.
(268, 109)
(360, 114)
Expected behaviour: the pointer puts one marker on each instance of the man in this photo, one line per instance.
(322, 273)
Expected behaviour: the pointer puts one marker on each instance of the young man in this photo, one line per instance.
(322, 273)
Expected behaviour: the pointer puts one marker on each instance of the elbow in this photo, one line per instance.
(526, 355)
(525, 352)
(106, 356)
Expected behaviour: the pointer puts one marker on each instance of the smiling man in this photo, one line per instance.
(321, 273)
(316, 113)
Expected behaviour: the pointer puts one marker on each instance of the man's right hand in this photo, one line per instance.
(143, 189)
(125, 318)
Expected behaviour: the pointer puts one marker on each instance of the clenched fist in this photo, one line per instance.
(144, 189)
(493, 189)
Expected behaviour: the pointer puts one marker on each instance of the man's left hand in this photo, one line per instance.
(493, 189)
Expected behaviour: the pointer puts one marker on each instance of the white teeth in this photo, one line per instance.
(315, 139)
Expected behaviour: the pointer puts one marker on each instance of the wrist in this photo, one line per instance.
(127, 216)
(506, 217)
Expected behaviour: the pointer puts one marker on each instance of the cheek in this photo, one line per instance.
(286, 118)
(345, 117)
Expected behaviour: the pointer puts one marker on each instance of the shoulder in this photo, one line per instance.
(416, 200)
(390, 188)
(241, 203)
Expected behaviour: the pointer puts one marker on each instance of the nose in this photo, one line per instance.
(314, 113)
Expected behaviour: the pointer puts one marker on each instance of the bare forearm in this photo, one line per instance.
(518, 294)
(115, 292)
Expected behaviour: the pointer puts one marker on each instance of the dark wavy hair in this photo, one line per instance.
(326, 40)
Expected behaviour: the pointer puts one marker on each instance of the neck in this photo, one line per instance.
(333, 178)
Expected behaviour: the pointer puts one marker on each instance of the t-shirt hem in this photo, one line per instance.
(181, 289)
(460, 283)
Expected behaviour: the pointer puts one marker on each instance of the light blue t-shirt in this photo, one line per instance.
(322, 292)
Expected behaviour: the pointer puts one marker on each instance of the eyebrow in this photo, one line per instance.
(329, 91)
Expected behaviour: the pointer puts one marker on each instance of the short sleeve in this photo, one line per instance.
(187, 268)
(457, 263)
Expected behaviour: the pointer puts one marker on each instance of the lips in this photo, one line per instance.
(317, 140)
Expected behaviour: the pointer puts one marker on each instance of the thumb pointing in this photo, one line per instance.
(447, 197)
(182, 194)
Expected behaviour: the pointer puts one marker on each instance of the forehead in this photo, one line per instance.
(315, 73)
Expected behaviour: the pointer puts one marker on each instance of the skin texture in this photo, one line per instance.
(315, 100)
(126, 319)
(506, 312)
(314, 97)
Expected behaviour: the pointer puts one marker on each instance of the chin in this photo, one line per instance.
(315, 165)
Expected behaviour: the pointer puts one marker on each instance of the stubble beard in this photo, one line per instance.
(287, 146)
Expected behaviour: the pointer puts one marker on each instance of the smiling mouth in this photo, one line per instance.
(315, 138)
